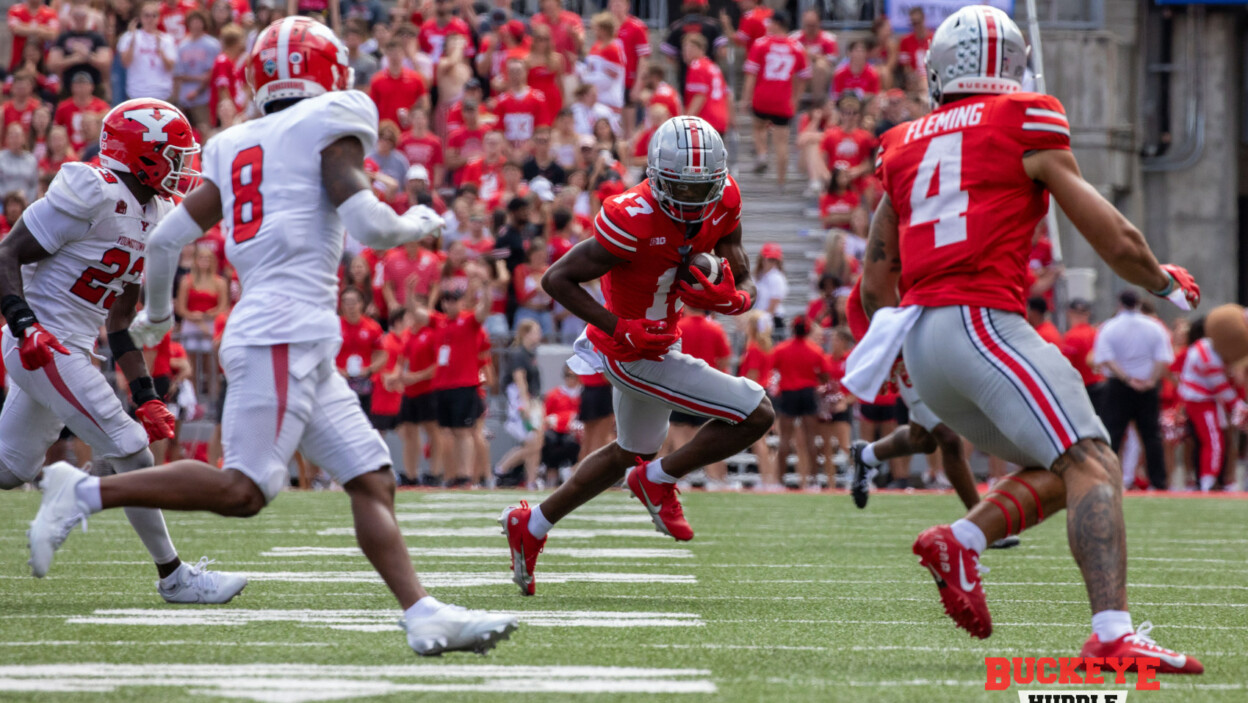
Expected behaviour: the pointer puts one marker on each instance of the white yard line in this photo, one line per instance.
(303, 683)
(371, 620)
(496, 552)
(466, 579)
(635, 516)
(497, 533)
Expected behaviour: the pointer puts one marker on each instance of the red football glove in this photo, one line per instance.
(1180, 279)
(722, 297)
(157, 420)
(37, 347)
(650, 339)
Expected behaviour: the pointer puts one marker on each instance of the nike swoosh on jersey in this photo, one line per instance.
(966, 585)
(717, 219)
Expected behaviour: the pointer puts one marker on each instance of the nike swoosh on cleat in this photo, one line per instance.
(1177, 662)
(966, 585)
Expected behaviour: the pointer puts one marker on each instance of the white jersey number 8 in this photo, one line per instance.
(947, 208)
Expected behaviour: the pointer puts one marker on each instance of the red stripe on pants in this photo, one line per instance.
(1204, 417)
(1030, 385)
(281, 378)
(689, 405)
(54, 376)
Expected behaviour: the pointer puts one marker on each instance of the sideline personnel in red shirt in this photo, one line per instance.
(802, 367)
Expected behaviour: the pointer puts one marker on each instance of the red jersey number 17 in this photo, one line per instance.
(948, 205)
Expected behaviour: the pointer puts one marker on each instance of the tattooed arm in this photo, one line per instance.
(882, 269)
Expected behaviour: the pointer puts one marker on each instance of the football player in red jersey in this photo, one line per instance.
(643, 241)
(956, 248)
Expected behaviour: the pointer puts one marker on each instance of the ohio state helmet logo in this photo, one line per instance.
(153, 121)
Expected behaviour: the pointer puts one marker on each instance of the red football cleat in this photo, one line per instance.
(956, 570)
(1139, 644)
(523, 545)
(660, 499)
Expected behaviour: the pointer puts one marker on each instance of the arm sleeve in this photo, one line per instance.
(377, 225)
(610, 235)
(753, 58)
(164, 247)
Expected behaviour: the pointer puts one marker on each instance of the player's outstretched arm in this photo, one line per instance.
(882, 269)
(200, 210)
(585, 262)
(370, 221)
(1114, 238)
(17, 248)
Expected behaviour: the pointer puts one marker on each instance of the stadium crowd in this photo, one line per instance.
(516, 128)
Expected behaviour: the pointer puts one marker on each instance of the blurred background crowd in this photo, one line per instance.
(515, 120)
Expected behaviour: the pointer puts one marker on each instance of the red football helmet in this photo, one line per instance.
(296, 57)
(153, 141)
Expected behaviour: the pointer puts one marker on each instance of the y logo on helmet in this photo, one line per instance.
(154, 121)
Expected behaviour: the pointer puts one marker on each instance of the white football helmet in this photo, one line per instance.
(687, 165)
(977, 49)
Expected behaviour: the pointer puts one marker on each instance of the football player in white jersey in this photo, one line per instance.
(283, 186)
(85, 243)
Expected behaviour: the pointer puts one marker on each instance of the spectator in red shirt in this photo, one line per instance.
(361, 354)
(1077, 347)
(701, 338)
(21, 105)
(466, 142)
(546, 71)
(566, 29)
(802, 367)
(776, 73)
(173, 17)
(837, 204)
(706, 95)
(520, 109)
(59, 152)
(561, 447)
(847, 145)
(912, 49)
(634, 36)
(387, 400)
(822, 50)
(419, 410)
(226, 81)
(410, 268)
(422, 147)
(835, 420)
(31, 21)
(753, 25)
(486, 171)
(70, 110)
(654, 90)
(856, 76)
(455, 379)
(532, 300)
(755, 364)
(1038, 317)
(436, 29)
(397, 88)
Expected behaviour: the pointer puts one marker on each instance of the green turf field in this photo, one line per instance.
(779, 598)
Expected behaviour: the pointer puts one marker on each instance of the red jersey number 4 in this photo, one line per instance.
(944, 203)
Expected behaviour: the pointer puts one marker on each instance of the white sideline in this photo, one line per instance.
(474, 552)
(464, 579)
(371, 620)
(495, 532)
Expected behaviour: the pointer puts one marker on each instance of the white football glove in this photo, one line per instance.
(146, 333)
(430, 222)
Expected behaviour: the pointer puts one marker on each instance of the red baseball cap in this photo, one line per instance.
(771, 250)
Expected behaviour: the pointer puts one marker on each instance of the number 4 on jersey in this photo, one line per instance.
(947, 207)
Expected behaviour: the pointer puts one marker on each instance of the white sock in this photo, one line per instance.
(538, 524)
(1206, 482)
(1109, 625)
(655, 473)
(868, 456)
(423, 608)
(88, 493)
(969, 534)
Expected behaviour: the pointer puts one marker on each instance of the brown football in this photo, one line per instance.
(708, 264)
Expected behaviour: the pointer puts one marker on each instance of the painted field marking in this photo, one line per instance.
(494, 532)
(451, 516)
(464, 579)
(162, 643)
(302, 683)
(944, 623)
(994, 584)
(372, 620)
(496, 506)
(485, 552)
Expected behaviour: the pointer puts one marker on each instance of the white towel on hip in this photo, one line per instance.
(871, 361)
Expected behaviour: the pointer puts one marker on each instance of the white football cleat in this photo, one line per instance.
(196, 584)
(452, 628)
(59, 513)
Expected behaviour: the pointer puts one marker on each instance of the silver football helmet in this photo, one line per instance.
(977, 49)
(687, 165)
